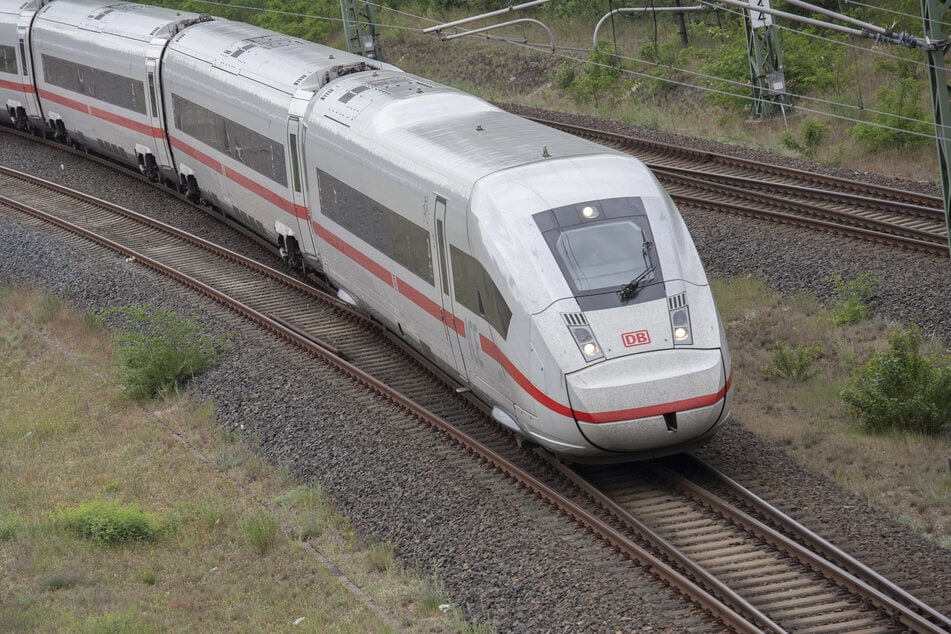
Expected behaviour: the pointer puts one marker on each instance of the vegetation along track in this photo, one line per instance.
(740, 186)
(719, 559)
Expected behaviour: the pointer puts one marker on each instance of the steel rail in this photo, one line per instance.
(819, 543)
(706, 157)
(831, 571)
(567, 507)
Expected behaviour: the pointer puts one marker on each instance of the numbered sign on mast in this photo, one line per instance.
(760, 19)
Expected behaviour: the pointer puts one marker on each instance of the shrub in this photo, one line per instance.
(852, 298)
(108, 522)
(159, 350)
(797, 364)
(901, 389)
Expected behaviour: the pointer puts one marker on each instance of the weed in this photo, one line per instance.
(901, 389)
(852, 298)
(380, 557)
(114, 623)
(60, 582)
(796, 364)
(261, 528)
(8, 529)
(159, 350)
(108, 522)
(147, 577)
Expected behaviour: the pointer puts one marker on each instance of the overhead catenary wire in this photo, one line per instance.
(708, 89)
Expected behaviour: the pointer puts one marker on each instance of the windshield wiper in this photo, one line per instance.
(630, 290)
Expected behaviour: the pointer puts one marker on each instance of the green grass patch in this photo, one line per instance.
(261, 529)
(109, 523)
(159, 350)
(794, 363)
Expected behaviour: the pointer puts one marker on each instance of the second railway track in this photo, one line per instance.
(798, 598)
(739, 186)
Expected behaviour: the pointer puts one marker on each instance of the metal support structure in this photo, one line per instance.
(607, 16)
(360, 30)
(767, 73)
(933, 13)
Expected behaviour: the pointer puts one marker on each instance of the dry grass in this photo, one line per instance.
(66, 439)
(906, 475)
(509, 73)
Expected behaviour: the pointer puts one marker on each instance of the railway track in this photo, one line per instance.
(751, 574)
(738, 186)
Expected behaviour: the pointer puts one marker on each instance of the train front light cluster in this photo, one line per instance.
(680, 326)
(587, 342)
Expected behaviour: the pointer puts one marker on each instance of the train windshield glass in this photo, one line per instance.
(605, 250)
(604, 254)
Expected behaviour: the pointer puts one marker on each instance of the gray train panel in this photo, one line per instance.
(92, 74)
(233, 94)
(18, 103)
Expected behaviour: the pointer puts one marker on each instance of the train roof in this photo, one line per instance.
(273, 59)
(444, 128)
(133, 21)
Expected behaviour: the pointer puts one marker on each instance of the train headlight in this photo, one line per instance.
(588, 345)
(680, 326)
(590, 213)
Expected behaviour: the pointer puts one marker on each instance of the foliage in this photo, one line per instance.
(813, 135)
(301, 19)
(159, 350)
(261, 528)
(796, 364)
(852, 298)
(600, 75)
(108, 523)
(901, 389)
(900, 123)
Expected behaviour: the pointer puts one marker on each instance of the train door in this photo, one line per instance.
(31, 102)
(295, 151)
(162, 152)
(451, 323)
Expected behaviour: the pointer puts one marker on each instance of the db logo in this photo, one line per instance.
(637, 338)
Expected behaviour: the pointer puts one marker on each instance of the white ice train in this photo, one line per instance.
(552, 276)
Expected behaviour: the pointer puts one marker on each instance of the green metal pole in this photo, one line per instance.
(932, 14)
(360, 30)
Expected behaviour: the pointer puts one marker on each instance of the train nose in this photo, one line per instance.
(651, 400)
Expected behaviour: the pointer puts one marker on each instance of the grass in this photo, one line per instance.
(528, 78)
(74, 455)
(905, 474)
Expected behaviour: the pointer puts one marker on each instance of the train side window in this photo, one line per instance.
(152, 98)
(8, 60)
(475, 290)
(26, 67)
(441, 246)
(295, 166)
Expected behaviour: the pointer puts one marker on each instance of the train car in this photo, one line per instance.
(234, 94)
(97, 69)
(17, 94)
(551, 275)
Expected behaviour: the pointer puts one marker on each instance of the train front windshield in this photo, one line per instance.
(604, 249)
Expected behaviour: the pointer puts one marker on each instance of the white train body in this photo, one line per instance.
(552, 276)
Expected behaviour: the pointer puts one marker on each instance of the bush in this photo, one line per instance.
(901, 389)
(160, 350)
(108, 522)
(797, 364)
(852, 298)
